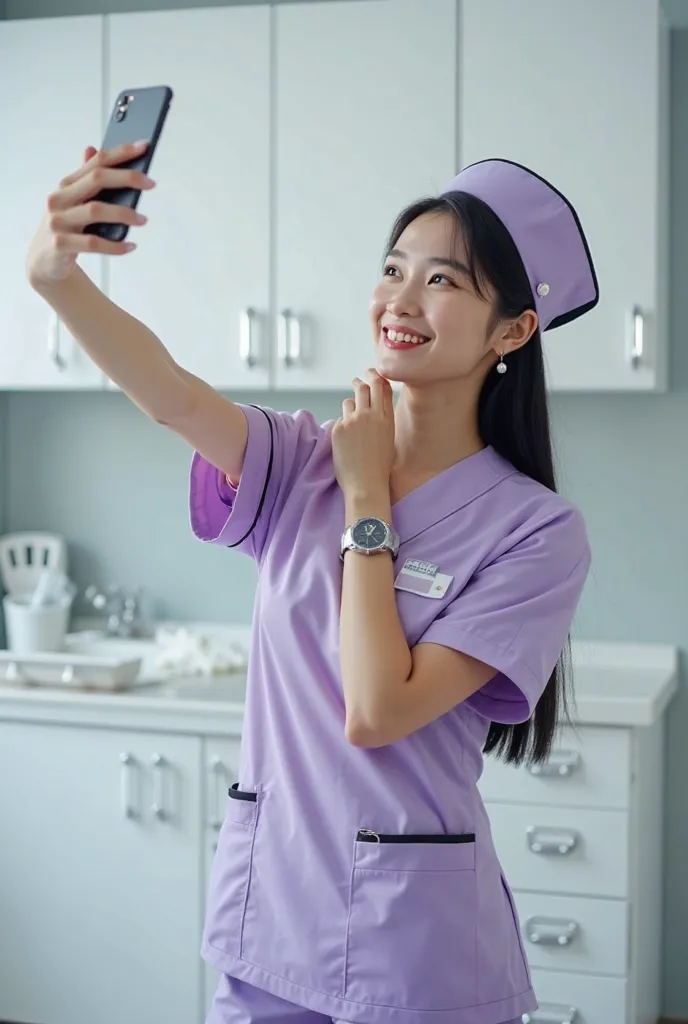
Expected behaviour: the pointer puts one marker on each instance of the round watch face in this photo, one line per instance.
(369, 534)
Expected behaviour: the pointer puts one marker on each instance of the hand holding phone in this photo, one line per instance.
(138, 115)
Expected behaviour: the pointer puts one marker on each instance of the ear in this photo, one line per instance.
(514, 335)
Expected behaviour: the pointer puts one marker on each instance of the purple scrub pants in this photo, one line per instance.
(236, 1002)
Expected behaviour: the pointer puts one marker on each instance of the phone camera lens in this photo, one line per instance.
(121, 111)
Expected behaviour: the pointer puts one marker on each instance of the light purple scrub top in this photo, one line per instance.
(300, 904)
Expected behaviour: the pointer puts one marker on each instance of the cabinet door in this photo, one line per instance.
(51, 84)
(100, 876)
(576, 92)
(365, 123)
(221, 760)
(203, 261)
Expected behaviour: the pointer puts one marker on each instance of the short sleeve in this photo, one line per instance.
(516, 613)
(278, 448)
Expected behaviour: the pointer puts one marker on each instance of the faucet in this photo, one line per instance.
(121, 608)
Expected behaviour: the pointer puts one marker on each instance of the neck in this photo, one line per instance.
(435, 427)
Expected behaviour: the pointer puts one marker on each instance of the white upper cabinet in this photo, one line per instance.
(50, 81)
(365, 123)
(578, 92)
(200, 278)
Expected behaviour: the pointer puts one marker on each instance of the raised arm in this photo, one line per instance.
(124, 348)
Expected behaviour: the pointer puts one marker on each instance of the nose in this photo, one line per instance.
(404, 301)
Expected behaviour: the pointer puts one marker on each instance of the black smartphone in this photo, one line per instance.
(138, 114)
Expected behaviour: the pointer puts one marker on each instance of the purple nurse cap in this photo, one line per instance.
(546, 231)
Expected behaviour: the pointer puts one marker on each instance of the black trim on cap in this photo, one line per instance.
(565, 318)
(265, 485)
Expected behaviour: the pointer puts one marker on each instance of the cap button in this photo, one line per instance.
(542, 290)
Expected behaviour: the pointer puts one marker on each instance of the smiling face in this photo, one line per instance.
(429, 321)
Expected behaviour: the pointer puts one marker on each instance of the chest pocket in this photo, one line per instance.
(411, 940)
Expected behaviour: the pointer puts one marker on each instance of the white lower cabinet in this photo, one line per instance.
(101, 879)
(578, 999)
(580, 841)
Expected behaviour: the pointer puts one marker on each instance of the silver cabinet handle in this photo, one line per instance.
(54, 344)
(248, 349)
(557, 842)
(559, 762)
(128, 763)
(550, 1013)
(289, 339)
(158, 806)
(219, 777)
(636, 337)
(550, 931)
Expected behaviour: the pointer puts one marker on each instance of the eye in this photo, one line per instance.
(441, 279)
(390, 271)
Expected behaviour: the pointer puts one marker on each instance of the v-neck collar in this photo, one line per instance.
(449, 491)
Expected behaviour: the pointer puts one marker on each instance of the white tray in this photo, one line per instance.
(71, 671)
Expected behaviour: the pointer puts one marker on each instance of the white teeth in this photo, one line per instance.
(410, 339)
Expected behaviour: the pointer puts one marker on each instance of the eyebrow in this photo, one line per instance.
(436, 261)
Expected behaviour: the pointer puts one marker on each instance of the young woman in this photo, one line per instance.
(418, 578)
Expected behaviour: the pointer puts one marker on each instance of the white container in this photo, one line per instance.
(35, 629)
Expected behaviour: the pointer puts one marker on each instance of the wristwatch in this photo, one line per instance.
(370, 537)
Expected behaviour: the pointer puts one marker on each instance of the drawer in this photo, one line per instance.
(581, 851)
(589, 767)
(595, 1000)
(573, 933)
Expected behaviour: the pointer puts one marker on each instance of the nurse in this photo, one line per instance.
(418, 575)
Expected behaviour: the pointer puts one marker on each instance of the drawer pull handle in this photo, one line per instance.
(128, 769)
(158, 806)
(551, 842)
(219, 774)
(552, 1014)
(636, 337)
(247, 344)
(289, 339)
(549, 931)
(560, 763)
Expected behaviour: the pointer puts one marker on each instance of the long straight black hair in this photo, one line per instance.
(513, 417)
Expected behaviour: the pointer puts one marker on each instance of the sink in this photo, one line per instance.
(98, 645)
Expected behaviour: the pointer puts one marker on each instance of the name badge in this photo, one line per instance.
(424, 578)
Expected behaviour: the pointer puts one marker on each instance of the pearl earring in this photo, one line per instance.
(501, 365)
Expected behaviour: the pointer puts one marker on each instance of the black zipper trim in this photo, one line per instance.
(367, 836)
(241, 794)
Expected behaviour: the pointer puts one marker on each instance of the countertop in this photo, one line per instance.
(620, 684)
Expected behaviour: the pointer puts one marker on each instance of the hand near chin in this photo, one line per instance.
(363, 439)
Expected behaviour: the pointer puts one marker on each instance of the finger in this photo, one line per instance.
(91, 183)
(92, 243)
(78, 217)
(107, 158)
(348, 408)
(362, 393)
(377, 390)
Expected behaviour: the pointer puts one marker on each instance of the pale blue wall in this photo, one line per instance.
(92, 467)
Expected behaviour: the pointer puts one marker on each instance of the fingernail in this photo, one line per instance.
(141, 218)
(141, 142)
(129, 246)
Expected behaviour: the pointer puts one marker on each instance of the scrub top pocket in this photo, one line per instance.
(411, 939)
(231, 872)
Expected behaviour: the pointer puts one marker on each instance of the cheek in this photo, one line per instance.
(378, 304)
